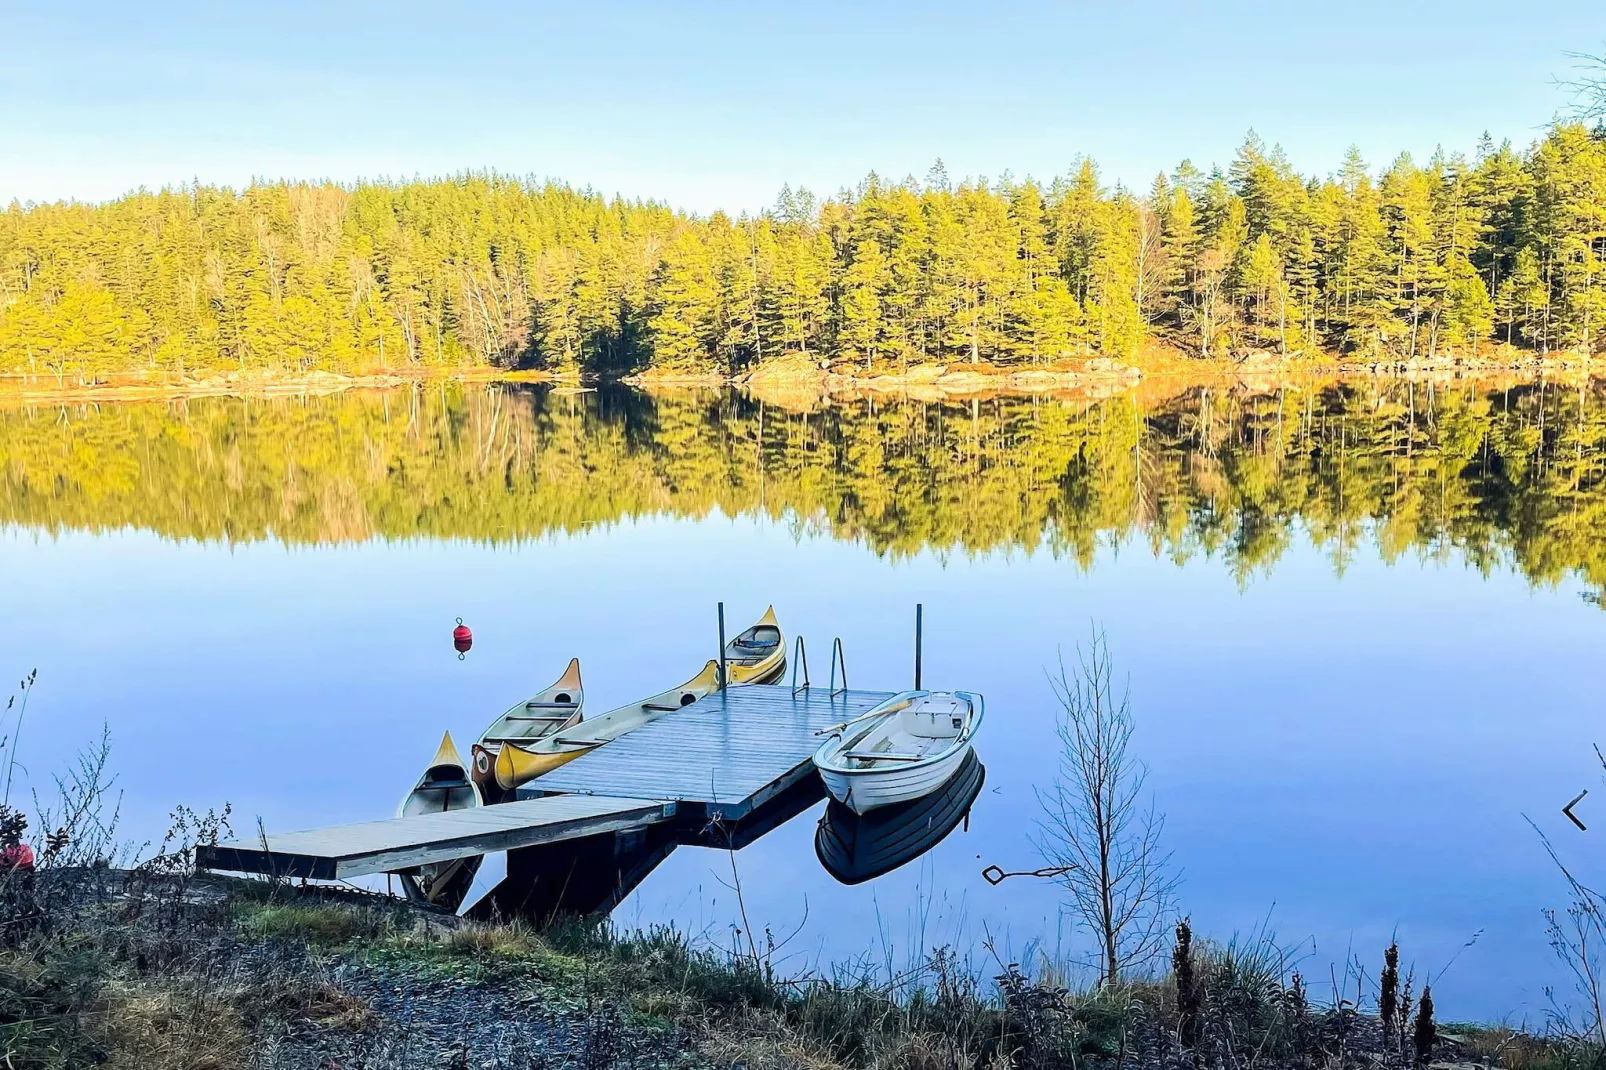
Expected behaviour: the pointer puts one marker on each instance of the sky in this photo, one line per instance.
(708, 105)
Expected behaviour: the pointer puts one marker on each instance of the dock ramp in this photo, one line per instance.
(398, 843)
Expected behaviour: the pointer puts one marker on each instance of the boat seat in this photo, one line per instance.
(662, 706)
(549, 705)
(537, 717)
(443, 785)
(876, 756)
(580, 742)
(762, 637)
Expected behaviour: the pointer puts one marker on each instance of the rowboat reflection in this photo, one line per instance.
(854, 848)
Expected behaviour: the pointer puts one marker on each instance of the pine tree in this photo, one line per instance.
(861, 302)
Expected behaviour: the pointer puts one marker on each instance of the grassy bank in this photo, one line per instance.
(156, 968)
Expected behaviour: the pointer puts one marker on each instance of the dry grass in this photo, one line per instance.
(191, 1023)
(182, 1026)
(1518, 1049)
(928, 1051)
(512, 940)
(761, 1040)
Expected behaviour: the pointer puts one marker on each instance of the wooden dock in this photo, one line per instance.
(717, 761)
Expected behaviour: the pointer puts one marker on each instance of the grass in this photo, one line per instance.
(152, 970)
(198, 984)
(317, 924)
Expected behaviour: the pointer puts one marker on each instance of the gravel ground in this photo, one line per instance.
(417, 1020)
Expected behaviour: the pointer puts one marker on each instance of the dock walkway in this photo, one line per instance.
(718, 758)
(725, 754)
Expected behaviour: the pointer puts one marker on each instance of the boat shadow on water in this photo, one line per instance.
(855, 848)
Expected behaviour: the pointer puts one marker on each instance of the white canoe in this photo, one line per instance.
(904, 749)
(444, 786)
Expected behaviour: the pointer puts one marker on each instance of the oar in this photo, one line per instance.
(878, 712)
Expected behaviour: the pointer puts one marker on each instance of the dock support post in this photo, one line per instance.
(919, 614)
(722, 646)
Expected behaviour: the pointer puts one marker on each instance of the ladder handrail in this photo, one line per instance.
(800, 656)
(838, 655)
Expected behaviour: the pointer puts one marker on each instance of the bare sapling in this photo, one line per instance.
(1589, 88)
(1099, 828)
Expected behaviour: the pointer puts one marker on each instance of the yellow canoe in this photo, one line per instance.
(549, 711)
(756, 656)
(517, 765)
(444, 786)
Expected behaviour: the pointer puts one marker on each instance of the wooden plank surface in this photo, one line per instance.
(397, 843)
(732, 749)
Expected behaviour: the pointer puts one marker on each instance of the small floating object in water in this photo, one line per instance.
(462, 638)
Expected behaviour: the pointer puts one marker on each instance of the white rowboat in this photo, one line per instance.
(905, 749)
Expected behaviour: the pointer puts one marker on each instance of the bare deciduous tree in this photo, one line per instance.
(1098, 830)
(1589, 88)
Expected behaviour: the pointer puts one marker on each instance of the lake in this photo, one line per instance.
(1359, 622)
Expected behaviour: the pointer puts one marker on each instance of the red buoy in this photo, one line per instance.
(462, 638)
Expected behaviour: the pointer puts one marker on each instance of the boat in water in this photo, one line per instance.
(902, 750)
(855, 848)
(756, 656)
(444, 786)
(555, 709)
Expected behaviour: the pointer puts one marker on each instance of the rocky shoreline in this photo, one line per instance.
(796, 379)
(45, 389)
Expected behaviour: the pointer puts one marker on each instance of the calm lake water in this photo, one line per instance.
(1360, 626)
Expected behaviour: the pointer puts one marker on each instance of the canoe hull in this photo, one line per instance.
(515, 765)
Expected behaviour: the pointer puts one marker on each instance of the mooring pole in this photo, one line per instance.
(722, 646)
(919, 614)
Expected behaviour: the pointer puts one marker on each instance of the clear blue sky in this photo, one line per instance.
(716, 105)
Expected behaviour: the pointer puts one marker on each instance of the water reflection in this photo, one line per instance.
(855, 848)
(1494, 474)
(1352, 736)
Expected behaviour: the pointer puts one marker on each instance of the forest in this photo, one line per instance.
(1495, 477)
(1456, 255)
